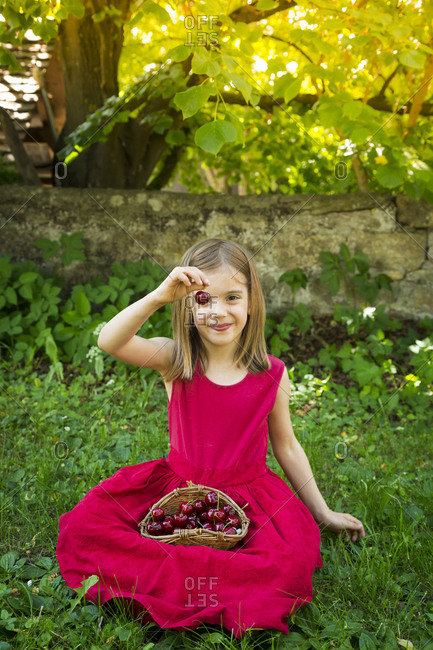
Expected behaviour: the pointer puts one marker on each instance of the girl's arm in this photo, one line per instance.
(294, 462)
(118, 336)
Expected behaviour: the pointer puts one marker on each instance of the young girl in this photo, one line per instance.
(225, 395)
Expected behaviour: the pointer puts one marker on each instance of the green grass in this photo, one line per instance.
(59, 439)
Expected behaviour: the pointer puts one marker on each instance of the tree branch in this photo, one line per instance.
(418, 100)
(169, 165)
(277, 38)
(267, 103)
(249, 13)
(360, 174)
(387, 82)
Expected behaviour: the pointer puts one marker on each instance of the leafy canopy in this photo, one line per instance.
(279, 95)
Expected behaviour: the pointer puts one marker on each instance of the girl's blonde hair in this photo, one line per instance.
(208, 255)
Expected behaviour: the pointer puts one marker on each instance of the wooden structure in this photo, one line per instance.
(33, 103)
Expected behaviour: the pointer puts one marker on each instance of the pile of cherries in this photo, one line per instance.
(197, 513)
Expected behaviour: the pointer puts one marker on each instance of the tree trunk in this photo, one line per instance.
(90, 53)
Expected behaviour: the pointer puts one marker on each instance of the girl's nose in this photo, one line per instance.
(218, 307)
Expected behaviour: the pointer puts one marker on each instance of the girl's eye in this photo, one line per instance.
(235, 297)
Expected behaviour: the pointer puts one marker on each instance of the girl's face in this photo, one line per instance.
(221, 321)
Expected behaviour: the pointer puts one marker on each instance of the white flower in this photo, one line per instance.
(67, 428)
(64, 417)
(368, 312)
(29, 583)
(110, 381)
(98, 329)
(94, 351)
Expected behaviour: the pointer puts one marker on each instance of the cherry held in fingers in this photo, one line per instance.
(202, 297)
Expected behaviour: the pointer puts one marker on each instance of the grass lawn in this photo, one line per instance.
(59, 439)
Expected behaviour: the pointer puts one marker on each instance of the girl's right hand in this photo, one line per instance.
(181, 281)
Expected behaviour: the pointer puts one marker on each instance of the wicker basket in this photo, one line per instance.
(196, 536)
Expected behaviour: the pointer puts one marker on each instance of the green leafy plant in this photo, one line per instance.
(414, 389)
(369, 319)
(296, 280)
(33, 318)
(367, 364)
(354, 273)
(71, 248)
(8, 173)
(297, 318)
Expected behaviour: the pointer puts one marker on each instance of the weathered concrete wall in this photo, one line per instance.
(282, 232)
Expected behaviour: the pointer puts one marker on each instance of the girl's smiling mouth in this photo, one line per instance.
(221, 328)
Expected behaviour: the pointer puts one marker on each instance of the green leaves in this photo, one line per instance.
(154, 10)
(390, 176)
(31, 322)
(287, 86)
(241, 84)
(342, 267)
(86, 585)
(314, 56)
(211, 137)
(192, 100)
(412, 58)
(179, 53)
(363, 371)
(175, 138)
(74, 7)
(9, 60)
(47, 30)
(7, 561)
(367, 641)
(82, 304)
(296, 279)
(204, 63)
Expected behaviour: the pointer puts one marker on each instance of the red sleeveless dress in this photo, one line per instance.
(218, 438)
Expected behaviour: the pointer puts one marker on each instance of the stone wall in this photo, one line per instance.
(283, 233)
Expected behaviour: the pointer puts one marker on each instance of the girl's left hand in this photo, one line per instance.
(339, 522)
